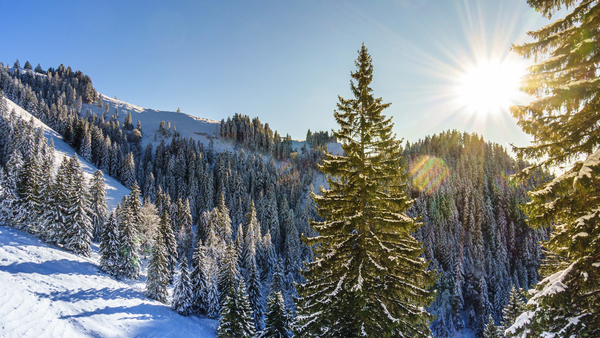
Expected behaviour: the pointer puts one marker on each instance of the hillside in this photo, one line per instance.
(48, 292)
(114, 190)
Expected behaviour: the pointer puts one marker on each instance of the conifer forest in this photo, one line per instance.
(353, 232)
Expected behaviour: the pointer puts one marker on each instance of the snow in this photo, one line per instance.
(198, 128)
(114, 190)
(47, 292)
(591, 161)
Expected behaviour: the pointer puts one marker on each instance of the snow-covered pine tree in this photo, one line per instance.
(255, 293)
(29, 203)
(129, 258)
(78, 227)
(98, 204)
(367, 278)
(228, 272)
(236, 314)
(276, 319)
(185, 234)
(55, 215)
(158, 273)
(491, 330)
(164, 227)
(198, 279)
(109, 246)
(9, 182)
(182, 294)
(513, 308)
(269, 258)
(564, 123)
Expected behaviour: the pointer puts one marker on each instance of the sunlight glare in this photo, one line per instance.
(490, 87)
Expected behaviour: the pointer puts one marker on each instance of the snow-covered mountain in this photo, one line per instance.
(114, 190)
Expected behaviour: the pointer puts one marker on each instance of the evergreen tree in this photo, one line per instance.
(158, 273)
(164, 228)
(98, 207)
(185, 234)
(564, 123)
(55, 216)
(491, 330)
(109, 246)
(198, 279)
(182, 295)
(236, 315)
(276, 319)
(513, 309)
(78, 227)
(367, 278)
(255, 295)
(129, 259)
(228, 273)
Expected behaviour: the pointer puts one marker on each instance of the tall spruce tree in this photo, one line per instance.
(367, 278)
(158, 273)
(182, 294)
(109, 246)
(129, 257)
(236, 314)
(491, 330)
(565, 125)
(99, 210)
(198, 279)
(78, 230)
(164, 228)
(513, 308)
(276, 318)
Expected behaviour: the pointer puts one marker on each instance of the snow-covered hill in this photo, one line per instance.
(200, 129)
(48, 292)
(114, 190)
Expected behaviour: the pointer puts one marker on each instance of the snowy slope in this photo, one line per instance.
(198, 128)
(47, 292)
(114, 190)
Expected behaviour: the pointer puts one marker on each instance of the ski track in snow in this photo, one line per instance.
(48, 292)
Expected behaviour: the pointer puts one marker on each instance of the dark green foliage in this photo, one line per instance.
(98, 204)
(513, 308)
(78, 227)
(276, 318)
(182, 294)
(129, 260)
(164, 228)
(367, 278)
(565, 125)
(236, 314)
(158, 274)
(109, 246)
(491, 330)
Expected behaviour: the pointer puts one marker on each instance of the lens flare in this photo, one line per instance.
(427, 173)
(286, 174)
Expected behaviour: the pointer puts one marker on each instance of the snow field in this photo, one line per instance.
(47, 292)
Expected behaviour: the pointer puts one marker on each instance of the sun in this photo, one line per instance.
(489, 87)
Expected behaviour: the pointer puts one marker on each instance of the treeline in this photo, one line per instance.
(255, 136)
(319, 138)
(474, 232)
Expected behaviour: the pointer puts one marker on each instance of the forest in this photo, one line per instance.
(432, 237)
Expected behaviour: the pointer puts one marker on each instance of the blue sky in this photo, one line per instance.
(284, 61)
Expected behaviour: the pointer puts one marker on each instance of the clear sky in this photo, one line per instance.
(283, 61)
